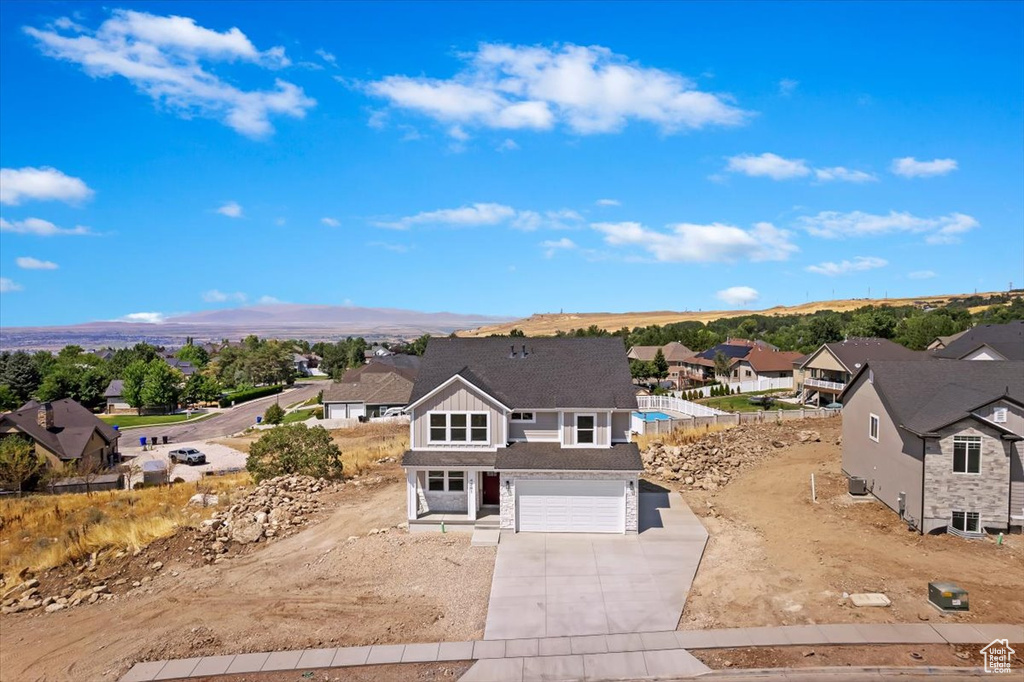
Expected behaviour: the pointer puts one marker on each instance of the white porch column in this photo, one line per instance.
(471, 494)
(411, 499)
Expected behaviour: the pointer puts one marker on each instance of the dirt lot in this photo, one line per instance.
(827, 656)
(315, 588)
(775, 558)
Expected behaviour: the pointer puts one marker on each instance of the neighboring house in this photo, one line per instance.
(63, 432)
(986, 342)
(301, 364)
(826, 371)
(702, 365)
(115, 403)
(103, 354)
(371, 389)
(675, 355)
(186, 368)
(376, 352)
(939, 442)
(941, 342)
(764, 363)
(536, 431)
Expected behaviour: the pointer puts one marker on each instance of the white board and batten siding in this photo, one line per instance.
(566, 506)
(458, 397)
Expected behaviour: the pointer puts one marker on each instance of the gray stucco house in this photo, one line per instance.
(535, 430)
(939, 441)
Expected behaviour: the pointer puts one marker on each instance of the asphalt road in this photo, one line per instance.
(224, 423)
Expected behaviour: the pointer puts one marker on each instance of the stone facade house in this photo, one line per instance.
(63, 432)
(535, 431)
(939, 441)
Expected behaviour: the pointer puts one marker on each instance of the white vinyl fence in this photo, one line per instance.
(667, 402)
(777, 384)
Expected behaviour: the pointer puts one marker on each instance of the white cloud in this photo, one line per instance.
(843, 174)
(909, 167)
(29, 263)
(147, 318)
(327, 57)
(41, 228)
(483, 214)
(564, 219)
(552, 246)
(217, 296)
(588, 89)
(787, 86)
(922, 274)
(330, 222)
(269, 300)
(8, 286)
(845, 267)
(40, 184)
(164, 57)
(768, 165)
(231, 209)
(687, 242)
(457, 133)
(835, 225)
(608, 202)
(507, 145)
(390, 246)
(740, 296)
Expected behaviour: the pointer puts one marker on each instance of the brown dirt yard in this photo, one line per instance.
(776, 558)
(315, 588)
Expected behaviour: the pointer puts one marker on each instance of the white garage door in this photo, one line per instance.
(345, 410)
(571, 506)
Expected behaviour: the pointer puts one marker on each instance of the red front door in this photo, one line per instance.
(492, 488)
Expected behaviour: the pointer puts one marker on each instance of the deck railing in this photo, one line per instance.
(667, 402)
(822, 383)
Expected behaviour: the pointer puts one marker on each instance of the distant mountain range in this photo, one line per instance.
(287, 320)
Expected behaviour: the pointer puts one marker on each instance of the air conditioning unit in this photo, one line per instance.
(858, 486)
(947, 597)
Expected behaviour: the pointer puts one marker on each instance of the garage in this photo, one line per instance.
(344, 410)
(591, 506)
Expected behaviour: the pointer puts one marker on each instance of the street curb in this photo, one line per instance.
(937, 671)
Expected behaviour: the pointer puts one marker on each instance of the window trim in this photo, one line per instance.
(443, 478)
(446, 478)
(967, 456)
(874, 424)
(531, 420)
(966, 515)
(469, 428)
(576, 429)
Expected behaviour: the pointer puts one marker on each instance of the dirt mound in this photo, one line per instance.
(711, 461)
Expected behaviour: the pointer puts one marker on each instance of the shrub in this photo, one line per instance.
(248, 394)
(274, 414)
(318, 413)
(294, 449)
(320, 397)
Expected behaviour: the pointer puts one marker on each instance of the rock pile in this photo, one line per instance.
(277, 507)
(714, 459)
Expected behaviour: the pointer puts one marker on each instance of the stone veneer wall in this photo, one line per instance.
(986, 493)
(508, 493)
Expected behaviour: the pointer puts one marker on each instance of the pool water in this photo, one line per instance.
(652, 416)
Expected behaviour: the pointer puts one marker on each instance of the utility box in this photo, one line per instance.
(858, 486)
(947, 597)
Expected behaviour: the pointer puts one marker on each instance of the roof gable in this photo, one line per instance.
(73, 426)
(1005, 339)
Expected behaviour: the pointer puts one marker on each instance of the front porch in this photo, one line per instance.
(455, 497)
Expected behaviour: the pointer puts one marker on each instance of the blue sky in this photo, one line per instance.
(502, 158)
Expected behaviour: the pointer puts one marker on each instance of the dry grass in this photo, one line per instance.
(43, 531)
(681, 436)
(361, 446)
(548, 324)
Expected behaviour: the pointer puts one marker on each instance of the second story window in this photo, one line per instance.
(523, 417)
(458, 427)
(966, 454)
(585, 432)
(873, 427)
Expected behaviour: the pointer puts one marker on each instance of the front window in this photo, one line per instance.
(967, 522)
(522, 416)
(966, 454)
(458, 427)
(585, 428)
(435, 481)
(446, 481)
(456, 481)
(873, 427)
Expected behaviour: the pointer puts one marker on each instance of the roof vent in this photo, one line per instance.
(512, 354)
(524, 351)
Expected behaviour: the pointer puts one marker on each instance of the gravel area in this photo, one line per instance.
(217, 457)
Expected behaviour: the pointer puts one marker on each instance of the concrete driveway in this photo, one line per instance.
(556, 584)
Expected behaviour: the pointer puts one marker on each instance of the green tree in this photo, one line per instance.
(640, 370)
(62, 382)
(134, 378)
(419, 346)
(824, 328)
(660, 365)
(294, 449)
(274, 414)
(21, 374)
(19, 462)
(161, 386)
(723, 364)
(200, 388)
(196, 355)
(8, 400)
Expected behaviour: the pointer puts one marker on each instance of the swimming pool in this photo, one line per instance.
(652, 416)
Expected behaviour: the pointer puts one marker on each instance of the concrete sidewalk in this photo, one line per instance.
(600, 657)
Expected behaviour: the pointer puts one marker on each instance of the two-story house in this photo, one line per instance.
(675, 355)
(939, 441)
(824, 374)
(534, 429)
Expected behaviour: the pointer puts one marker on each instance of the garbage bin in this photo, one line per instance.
(142, 441)
(152, 440)
(259, 420)
(164, 438)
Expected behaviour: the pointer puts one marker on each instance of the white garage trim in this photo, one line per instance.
(570, 506)
(344, 410)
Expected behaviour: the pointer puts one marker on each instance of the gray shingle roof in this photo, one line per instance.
(73, 426)
(853, 353)
(372, 389)
(114, 389)
(1005, 339)
(446, 458)
(553, 457)
(556, 372)
(924, 396)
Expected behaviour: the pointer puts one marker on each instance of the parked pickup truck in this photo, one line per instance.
(188, 456)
